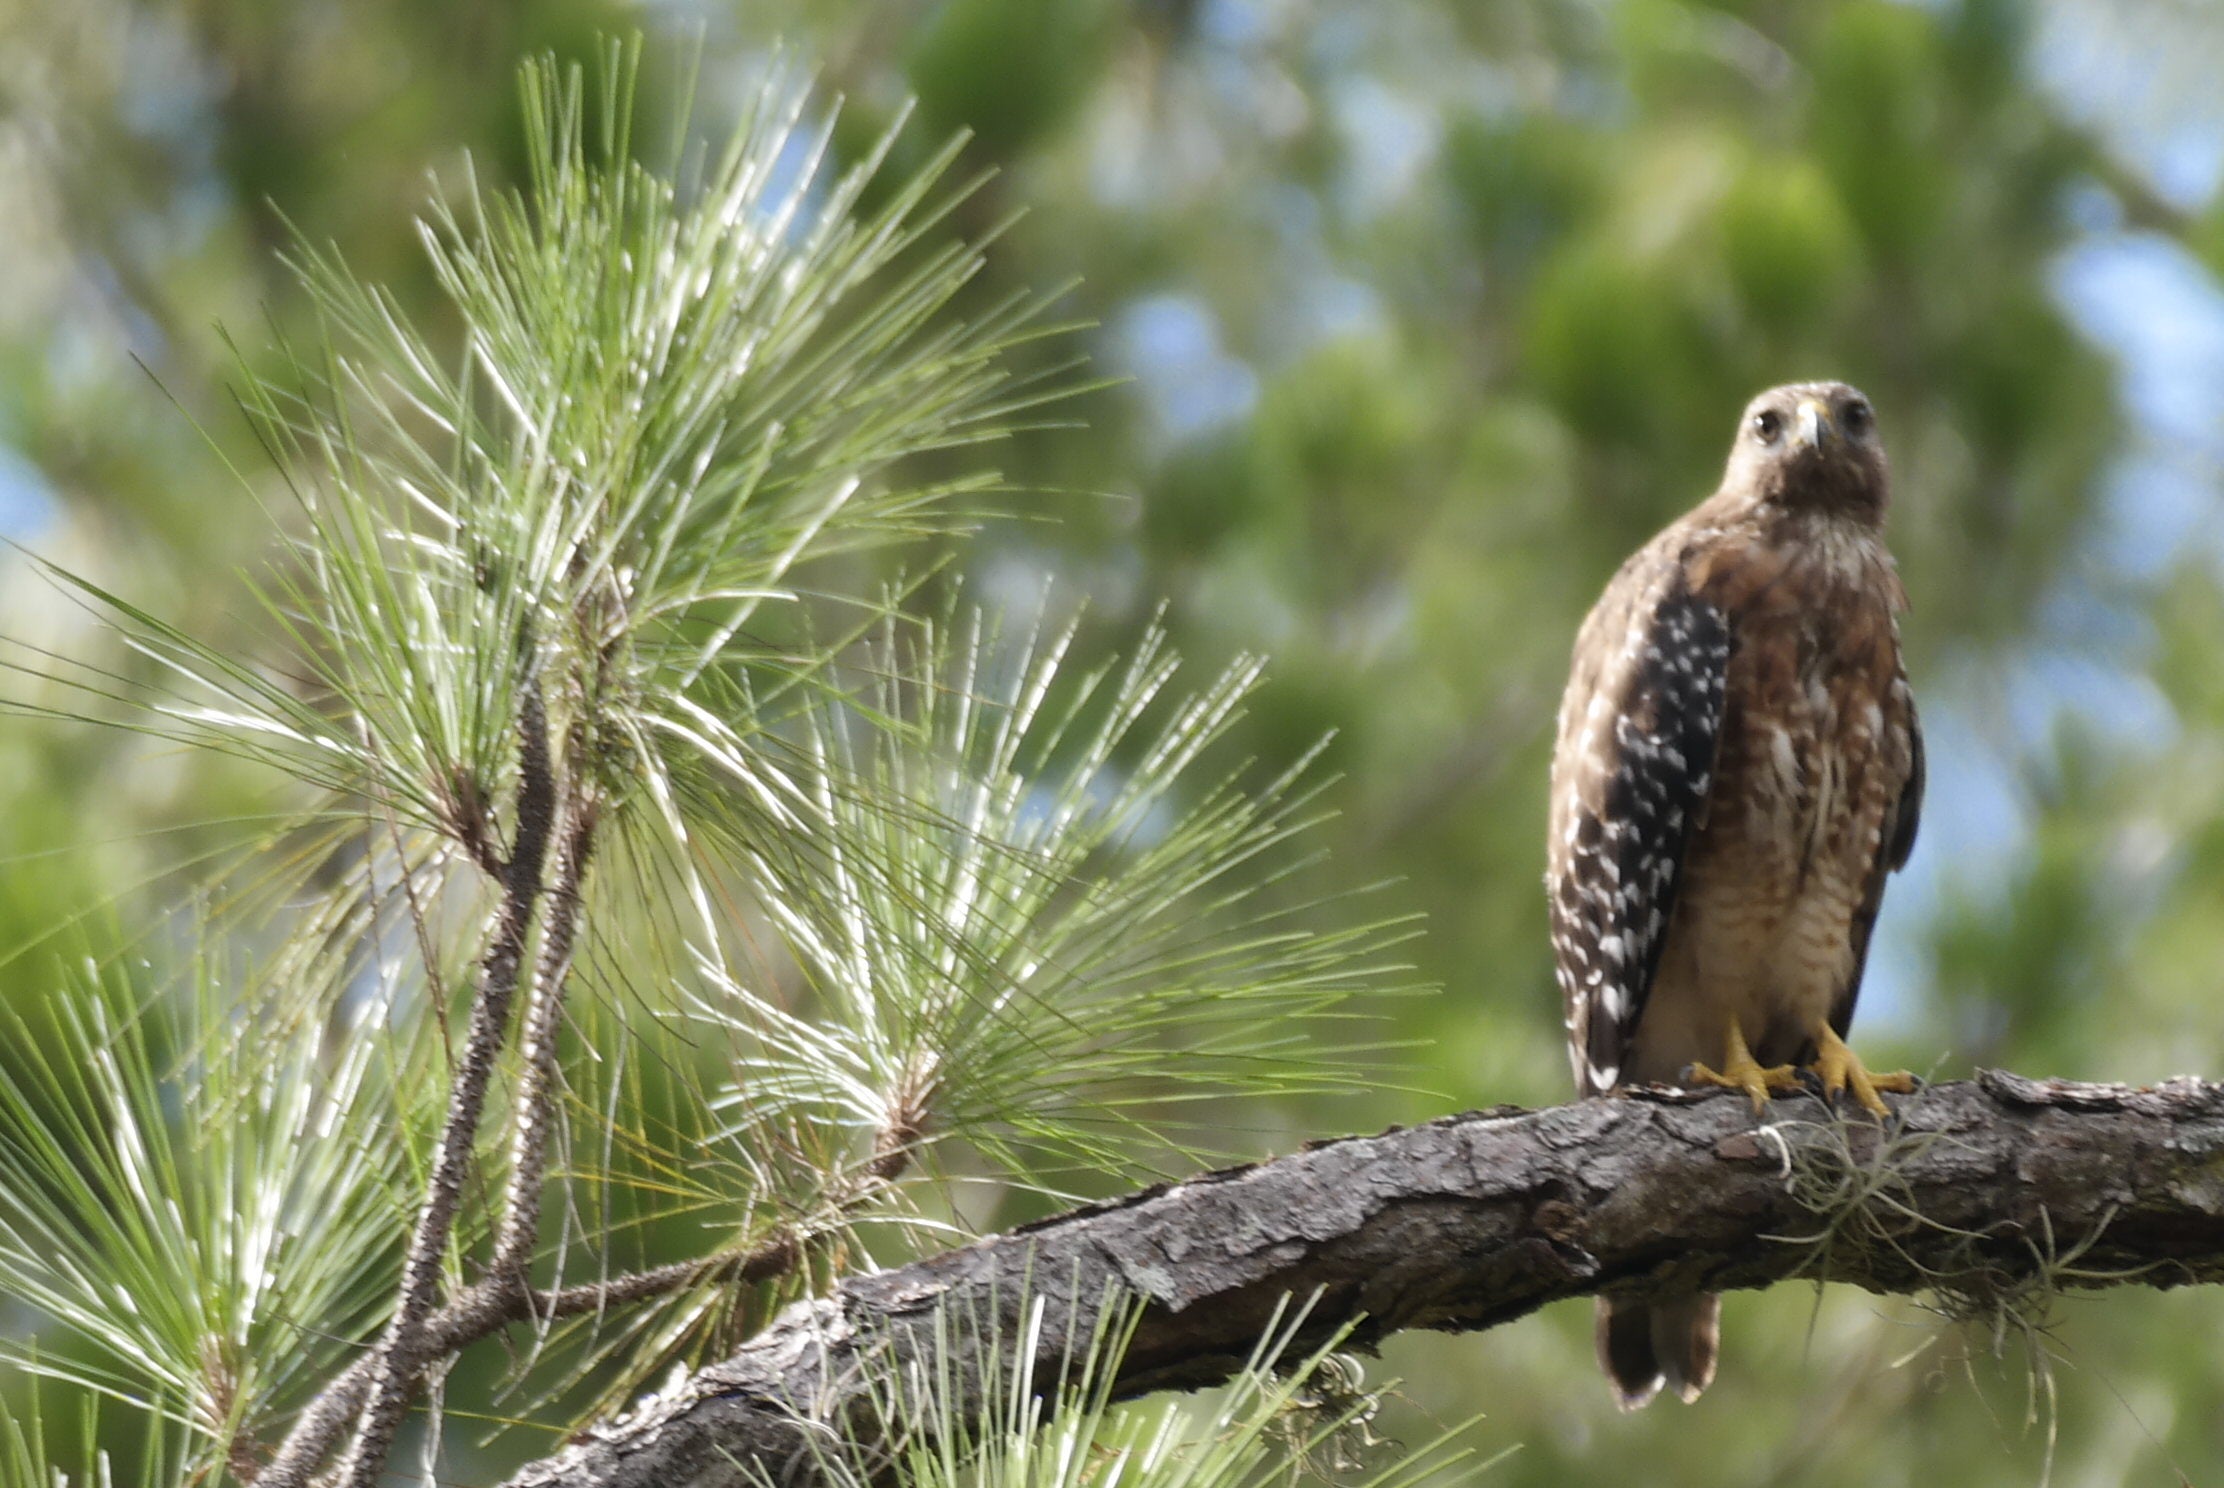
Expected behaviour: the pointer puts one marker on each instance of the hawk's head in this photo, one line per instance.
(1811, 446)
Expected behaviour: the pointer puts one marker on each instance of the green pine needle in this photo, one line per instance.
(924, 880)
(202, 1213)
(1288, 1415)
(665, 397)
(47, 1446)
(1043, 914)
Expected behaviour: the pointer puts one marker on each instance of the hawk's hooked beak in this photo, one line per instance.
(1811, 425)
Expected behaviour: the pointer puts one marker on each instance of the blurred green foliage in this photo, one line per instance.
(1433, 311)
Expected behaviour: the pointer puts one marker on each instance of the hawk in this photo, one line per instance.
(1738, 767)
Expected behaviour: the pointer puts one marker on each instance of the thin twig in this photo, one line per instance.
(775, 1258)
(401, 1354)
(487, 1308)
(536, 1088)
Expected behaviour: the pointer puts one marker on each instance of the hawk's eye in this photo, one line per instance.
(1767, 424)
(1857, 417)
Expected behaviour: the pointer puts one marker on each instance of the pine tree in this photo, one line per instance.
(671, 904)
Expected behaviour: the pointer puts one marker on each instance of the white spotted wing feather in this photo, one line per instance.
(1630, 773)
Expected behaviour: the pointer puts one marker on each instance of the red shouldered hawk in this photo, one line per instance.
(1738, 768)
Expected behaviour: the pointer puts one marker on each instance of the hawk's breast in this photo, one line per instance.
(1814, 753)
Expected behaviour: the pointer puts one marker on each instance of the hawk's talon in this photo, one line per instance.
(1841, 1070)
(1756, 1081)
(1740, 1071)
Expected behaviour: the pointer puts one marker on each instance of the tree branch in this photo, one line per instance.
(520, 1230)
(402, 1354)
(1984, 1190)
(487, 1308)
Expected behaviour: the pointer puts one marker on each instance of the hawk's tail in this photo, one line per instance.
(1643, 1344)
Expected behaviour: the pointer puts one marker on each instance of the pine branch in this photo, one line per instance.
(402, 1354)
(536, 1090)
(489, 1307)
(1987, 1195)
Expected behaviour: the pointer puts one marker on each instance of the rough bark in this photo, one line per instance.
(1985, 1190)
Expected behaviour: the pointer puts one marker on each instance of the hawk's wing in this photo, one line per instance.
(1897, 841)
(1630, 772)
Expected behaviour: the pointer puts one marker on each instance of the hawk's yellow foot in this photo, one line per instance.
(1841, 1069)
(1740, 1071)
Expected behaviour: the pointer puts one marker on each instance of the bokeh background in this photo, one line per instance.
(1429, 311)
